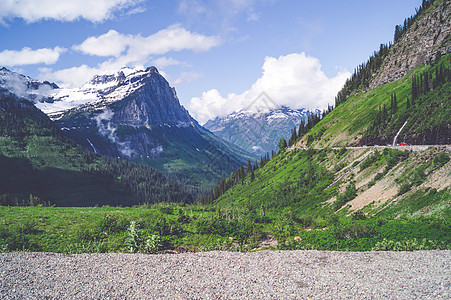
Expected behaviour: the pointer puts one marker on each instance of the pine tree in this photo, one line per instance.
(395, 102)
(248, 167)
(414, 88)
(282, 144)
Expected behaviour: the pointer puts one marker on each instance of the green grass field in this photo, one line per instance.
(204, 228)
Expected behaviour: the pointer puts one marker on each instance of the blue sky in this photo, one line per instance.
(220, 55)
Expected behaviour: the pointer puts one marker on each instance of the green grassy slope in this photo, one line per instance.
(296, 182)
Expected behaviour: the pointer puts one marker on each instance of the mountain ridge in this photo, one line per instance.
(258, 132)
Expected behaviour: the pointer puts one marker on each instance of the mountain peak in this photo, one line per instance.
(152, 69)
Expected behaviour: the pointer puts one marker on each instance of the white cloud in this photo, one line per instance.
(165, 61)
(253, 17)
(28, 56)
(192, 7)
(134, 51)
(67, 10)
(137, 47)
(111, 43)
(295, 80)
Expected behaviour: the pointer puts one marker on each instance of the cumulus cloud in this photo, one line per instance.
(134, 51)
(295, 80)
(67, 10)
(111, 43)
(172, 38)
(28, 56)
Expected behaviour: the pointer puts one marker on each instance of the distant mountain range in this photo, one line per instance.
(133, 114)
(258, 132)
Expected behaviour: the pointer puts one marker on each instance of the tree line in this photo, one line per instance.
(236, 177)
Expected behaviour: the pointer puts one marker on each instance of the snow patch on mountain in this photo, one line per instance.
(25, 87)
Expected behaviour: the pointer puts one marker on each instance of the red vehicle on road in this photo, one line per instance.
(403, 144)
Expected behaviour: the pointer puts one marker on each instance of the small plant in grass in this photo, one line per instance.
(153, 244)
(86, 247)
(218, 245)
(297, 243)
(133, 240)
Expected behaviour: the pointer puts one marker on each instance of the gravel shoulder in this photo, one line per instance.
(227, 275)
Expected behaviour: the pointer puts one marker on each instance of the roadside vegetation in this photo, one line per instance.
(163, 226)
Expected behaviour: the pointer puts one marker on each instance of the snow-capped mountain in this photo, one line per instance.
(98, 93)
(258, 132)
(133, 114)
(25, 87)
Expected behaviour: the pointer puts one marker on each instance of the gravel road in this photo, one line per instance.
(227, 275)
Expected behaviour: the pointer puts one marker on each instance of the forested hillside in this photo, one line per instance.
(41, 166)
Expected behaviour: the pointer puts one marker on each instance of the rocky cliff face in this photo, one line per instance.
(154, 104)
(420, 44)
(124, 112)
(137, 115)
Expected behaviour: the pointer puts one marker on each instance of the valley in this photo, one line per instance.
(118, 164)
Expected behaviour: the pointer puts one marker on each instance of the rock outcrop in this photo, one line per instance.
(428, 37)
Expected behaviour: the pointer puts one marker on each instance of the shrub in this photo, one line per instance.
(354, 231)
(370, 160)
(333, 219)
(339, 166)
(85, 234)
(441, 159)
(167, 210)
(409, 245)
(418, 175)
(404, 188)
(358, 215)
(349, 194)
(342, 151)
(112, 223)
